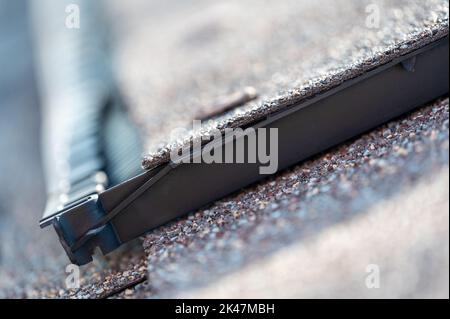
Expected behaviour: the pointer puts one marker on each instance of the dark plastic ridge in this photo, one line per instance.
(132, 208)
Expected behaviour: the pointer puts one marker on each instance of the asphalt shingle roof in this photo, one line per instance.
(181, 62)
(174, 60)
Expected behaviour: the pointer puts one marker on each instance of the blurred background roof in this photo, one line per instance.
(310, 231)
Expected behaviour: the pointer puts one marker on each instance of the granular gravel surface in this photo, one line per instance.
(297, 204)
(399, 247)
(184, 59)
(177, 61)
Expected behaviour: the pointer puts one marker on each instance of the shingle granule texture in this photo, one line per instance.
(300, 205)
(174, 59)
(180, 61)
(404, 237)
(295, 212)
(339, 187)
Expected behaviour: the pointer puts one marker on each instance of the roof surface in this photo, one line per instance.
(381, 198)
(181, 62)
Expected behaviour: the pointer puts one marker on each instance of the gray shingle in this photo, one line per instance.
(182, 61)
